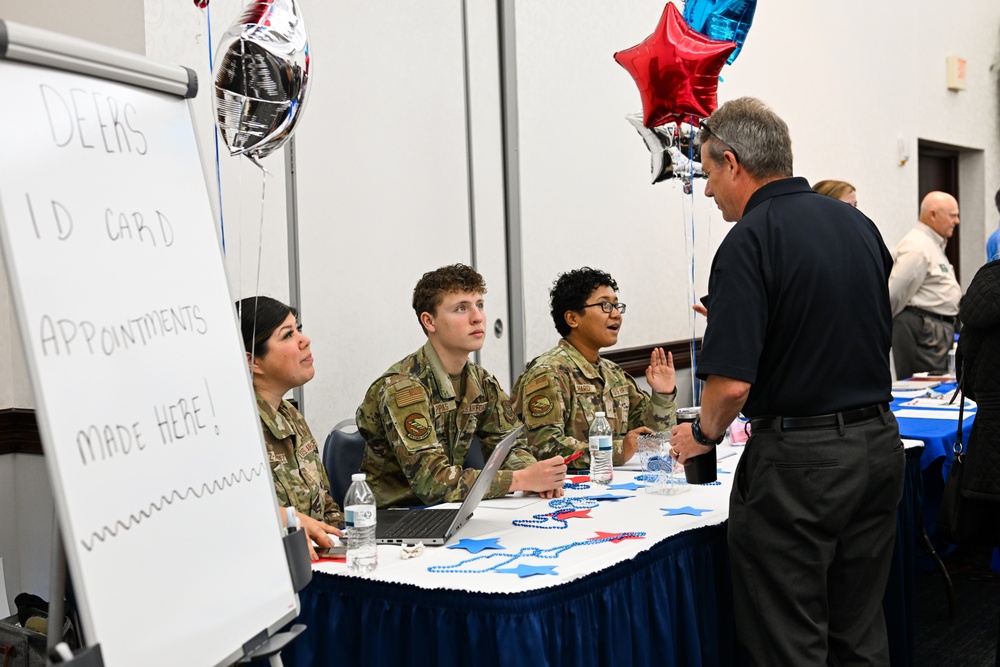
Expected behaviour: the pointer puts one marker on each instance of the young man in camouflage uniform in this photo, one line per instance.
(419, 418)
(559, 392)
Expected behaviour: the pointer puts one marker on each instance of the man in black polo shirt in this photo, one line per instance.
(799, 328)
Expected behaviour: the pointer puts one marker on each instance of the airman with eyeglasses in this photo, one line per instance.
(559, 392)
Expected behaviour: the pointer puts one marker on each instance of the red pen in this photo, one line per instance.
(572, 457)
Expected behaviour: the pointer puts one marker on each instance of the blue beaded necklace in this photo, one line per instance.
(525, 552)
(560, 505)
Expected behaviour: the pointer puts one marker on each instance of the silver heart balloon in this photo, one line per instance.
(262, 79)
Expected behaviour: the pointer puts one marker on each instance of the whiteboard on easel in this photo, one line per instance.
(149, 427)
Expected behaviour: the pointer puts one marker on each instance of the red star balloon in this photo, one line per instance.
(676, 70)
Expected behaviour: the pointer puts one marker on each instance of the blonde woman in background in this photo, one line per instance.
(841, 190)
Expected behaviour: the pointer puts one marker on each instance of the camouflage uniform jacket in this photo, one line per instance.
(418, 432)
(559, 392)
(300, 480)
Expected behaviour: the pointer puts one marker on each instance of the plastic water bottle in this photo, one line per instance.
(359, 515)
(601, 448)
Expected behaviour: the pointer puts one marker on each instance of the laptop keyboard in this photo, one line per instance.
(421, 523)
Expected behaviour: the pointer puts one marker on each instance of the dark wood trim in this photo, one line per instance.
(19, 432)
(635, 359)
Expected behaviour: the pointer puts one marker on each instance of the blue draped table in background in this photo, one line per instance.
(938, 435)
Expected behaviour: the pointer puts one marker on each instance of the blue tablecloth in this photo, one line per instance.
(670, 605)
(938, 435)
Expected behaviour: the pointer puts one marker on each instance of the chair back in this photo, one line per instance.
(474, 459)
(342, 454)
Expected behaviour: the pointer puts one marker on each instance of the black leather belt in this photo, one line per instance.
(832, 420)
(950, 319)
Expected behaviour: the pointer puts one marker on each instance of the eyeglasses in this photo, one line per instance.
(726, 146)
(607, 306)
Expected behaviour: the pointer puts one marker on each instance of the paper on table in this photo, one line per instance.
(942, 403)
(951, 415)
(915, 393)
(632, 464)
(911, 385)
(510, 502)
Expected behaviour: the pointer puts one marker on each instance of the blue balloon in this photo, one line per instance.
(724, 20)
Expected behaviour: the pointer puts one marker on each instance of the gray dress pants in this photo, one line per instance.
(812, 523)
(920, 343)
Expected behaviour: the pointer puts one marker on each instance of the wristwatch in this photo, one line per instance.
(700, 438)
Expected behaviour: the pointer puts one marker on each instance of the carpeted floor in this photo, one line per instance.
(969, 639)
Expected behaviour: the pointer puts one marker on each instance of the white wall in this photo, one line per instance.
(177, 33)
(383, 175)
(851, 82)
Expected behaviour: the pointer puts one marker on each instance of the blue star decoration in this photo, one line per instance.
(687, 509)
(607, 496)
(626, 486)
(475, 546)
(523, 570)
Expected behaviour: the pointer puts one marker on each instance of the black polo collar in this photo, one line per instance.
(783, 186)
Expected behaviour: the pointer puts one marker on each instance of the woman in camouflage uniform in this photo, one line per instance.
(280, 360)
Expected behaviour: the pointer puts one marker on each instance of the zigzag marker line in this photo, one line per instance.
(134, 519)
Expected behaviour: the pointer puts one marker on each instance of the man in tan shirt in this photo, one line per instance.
(923, 290)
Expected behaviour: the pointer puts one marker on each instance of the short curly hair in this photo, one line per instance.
(571, 290)
(433, 285)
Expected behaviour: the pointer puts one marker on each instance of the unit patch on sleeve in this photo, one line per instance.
(508, 411)
(416, 426)
(539, 406)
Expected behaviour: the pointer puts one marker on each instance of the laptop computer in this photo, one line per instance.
(435, 525)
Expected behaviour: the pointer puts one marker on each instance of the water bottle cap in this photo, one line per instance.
(598, 414)
(358, 477)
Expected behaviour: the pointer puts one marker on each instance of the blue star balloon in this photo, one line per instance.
(724, 20)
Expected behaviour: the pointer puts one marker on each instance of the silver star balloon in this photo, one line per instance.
(262, 80)
(667, 146)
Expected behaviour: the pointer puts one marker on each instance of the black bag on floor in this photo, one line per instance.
(22, 636)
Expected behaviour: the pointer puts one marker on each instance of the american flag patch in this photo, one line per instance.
(409, 396)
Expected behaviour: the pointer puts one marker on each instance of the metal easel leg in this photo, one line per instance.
(57, 590)
(929, 548)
